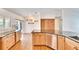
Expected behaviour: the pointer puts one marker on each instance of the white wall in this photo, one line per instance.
(26, 28)
(71, 20)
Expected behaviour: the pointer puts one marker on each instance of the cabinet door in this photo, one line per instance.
(47, 25)
(35, 39)
(10, 41)
(4, 43)
(69, 44)
(0, 43)
(18, 36)
(42, 39)
(42, 25)
(61, 43)
(54, 42)
(51, 25)
(48, 40)
(39, 39)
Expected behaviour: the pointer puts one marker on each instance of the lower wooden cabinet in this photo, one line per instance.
(60, 43)
(18, 36)
(48, 40)
(54, 42)
(71, 45)
(38, 38)
(41, 39)
(57, 42)
(8, 41)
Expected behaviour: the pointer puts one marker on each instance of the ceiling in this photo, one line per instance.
(43, 11)
(26, 11)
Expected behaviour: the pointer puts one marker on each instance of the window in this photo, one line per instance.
(1, 22)
(7, 22)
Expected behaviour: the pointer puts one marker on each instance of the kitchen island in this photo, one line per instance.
(57, 41)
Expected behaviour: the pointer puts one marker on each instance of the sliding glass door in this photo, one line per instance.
(18, 25)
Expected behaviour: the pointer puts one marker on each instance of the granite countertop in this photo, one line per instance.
(5, 31)
(71, 35)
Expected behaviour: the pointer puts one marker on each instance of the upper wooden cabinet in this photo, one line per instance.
(51, 25)
(47, 25)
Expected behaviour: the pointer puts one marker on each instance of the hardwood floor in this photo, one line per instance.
(24, 44)
(41, 47)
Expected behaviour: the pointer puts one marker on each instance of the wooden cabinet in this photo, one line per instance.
(8, 41)
(18, 36)
(51, 25)
(71, 45)
(48, 40)
(47, 25)
(35, 39)
(54, 42)
(39, 38)
(61, 41)
(0, 43)
(42, 39)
